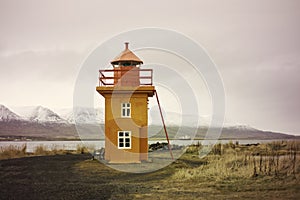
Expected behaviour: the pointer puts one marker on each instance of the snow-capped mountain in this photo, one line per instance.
(82, 115)
(7, 115)
(41, 114)
(177, 119)
(38, 114)
(241, 128)
(45, 115)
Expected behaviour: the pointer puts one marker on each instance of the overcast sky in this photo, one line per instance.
(254, 43)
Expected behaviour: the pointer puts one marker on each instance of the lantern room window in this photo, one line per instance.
(125, 109)
(124, 140)
(126, 64)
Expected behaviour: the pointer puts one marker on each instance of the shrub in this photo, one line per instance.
(13, 151)
(82, 149)
(41, 150)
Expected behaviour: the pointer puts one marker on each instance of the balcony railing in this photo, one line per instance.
(125, 77)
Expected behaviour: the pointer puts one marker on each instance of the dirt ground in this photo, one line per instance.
(74, 177)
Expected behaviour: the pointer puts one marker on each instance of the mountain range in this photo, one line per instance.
(41, 114)
(41, 123)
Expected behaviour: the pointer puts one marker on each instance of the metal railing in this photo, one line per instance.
(110, 77)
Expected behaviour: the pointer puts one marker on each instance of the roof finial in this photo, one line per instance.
(126, 45)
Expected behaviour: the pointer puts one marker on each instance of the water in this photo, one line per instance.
(211, 142)
(73, 145)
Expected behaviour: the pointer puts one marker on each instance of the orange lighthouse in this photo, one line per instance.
(126, 89)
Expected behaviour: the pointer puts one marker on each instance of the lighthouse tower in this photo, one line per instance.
(126, 89)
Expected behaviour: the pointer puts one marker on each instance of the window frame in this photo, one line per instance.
(124, 137)
(126, 108)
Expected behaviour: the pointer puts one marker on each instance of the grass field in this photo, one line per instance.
(230, 171)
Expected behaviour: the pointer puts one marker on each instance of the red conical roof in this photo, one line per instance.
(126, 55)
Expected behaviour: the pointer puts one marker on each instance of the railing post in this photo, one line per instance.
(151, 76)
(99, 78)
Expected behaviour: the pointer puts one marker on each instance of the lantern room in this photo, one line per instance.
(126, 63)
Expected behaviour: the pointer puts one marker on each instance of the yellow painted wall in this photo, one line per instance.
(137, 123)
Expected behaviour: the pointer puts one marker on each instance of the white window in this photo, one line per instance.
(124, 140)
(125, 110)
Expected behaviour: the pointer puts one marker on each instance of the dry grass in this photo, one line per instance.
(12, 152)
(230, 160)
(83, 149)
(42, 151)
